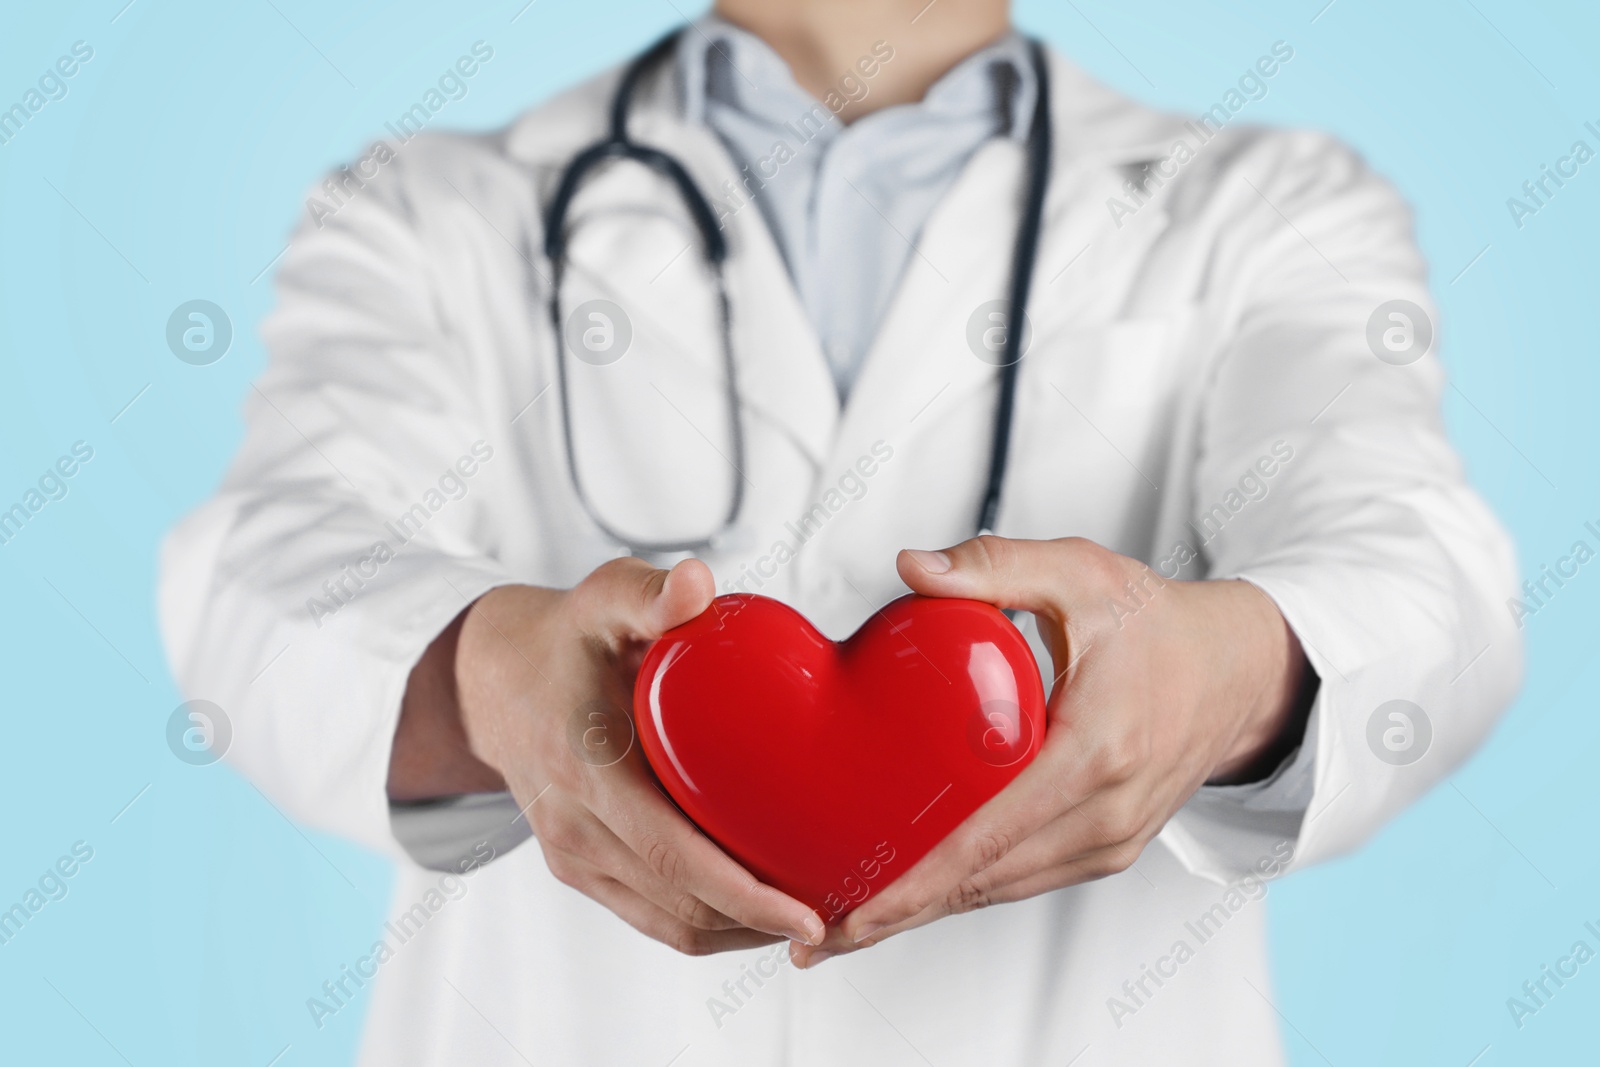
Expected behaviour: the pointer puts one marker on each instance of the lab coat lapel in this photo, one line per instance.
(912, 425)
(783, 372)
(929, 356)
(963, 256)
(921, 358)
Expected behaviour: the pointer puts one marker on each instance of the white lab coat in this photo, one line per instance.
(1168, 356)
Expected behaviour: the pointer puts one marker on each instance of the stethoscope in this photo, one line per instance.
(714, 245)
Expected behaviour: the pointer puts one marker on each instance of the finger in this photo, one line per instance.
(567, 826)
(683, 857)
(1089, 867)
(1004, 883)
(655, 923)
(628, 598)
(975, 891)
(838, 943)
(1106, 825)
(1005, 572)
(982, 840)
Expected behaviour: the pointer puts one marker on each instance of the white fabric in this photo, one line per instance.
(1168, 356)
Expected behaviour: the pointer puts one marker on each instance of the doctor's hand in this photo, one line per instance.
(1161, 686)
(536, 672)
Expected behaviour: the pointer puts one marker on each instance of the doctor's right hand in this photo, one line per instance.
(530, 666)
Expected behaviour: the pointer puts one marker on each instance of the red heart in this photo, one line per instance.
(827, 769)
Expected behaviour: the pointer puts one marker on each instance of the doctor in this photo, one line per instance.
(522, 416)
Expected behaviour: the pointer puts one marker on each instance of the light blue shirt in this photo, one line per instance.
(846, 204)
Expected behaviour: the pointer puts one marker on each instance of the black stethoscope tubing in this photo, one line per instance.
(617, 145)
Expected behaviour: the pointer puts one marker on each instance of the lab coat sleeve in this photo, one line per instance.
(346, 534)
(1389, 568)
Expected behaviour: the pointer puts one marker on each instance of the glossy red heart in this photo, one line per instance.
(827, 769)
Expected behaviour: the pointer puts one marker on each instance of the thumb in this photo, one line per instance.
(1010, 574)
(686, 591)
(628, 598)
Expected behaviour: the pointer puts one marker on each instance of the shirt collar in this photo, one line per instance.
(722, 64)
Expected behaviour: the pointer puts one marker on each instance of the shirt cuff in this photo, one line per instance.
(460, 832)
(1288, 788)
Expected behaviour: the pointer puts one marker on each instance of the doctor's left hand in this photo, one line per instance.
(1161, 686)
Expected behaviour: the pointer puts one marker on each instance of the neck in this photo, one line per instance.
(824, 41)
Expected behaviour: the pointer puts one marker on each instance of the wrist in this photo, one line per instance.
(1273, 688)
(430, 756)
(494, 661)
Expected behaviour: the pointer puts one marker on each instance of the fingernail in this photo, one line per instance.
(816, 958)
(871, 928)
(932, 562)
(811, 934)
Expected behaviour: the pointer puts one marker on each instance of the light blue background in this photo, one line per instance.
(179, 161)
